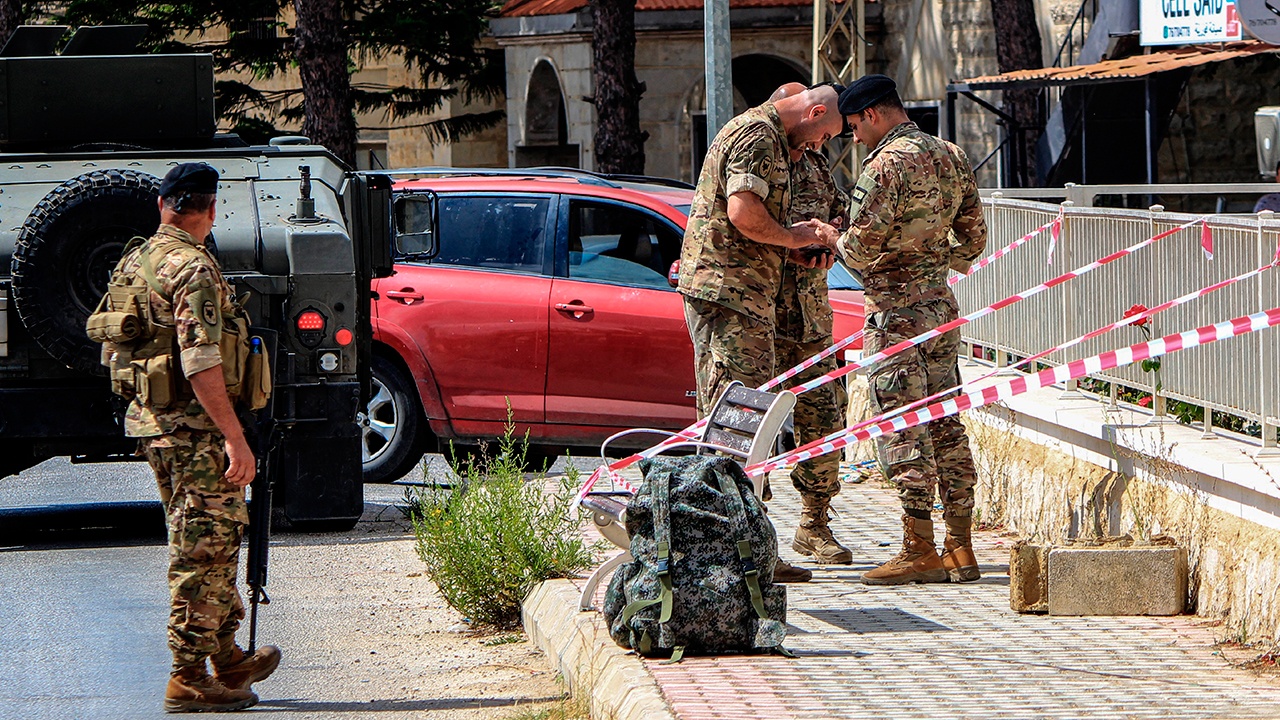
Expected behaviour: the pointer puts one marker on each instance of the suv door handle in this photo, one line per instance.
(576, 307)
(407, 296)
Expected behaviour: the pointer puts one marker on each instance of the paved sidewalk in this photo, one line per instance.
(954, 650)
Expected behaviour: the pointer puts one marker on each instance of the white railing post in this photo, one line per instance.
(1001, 357)
(1064, 258)
(1267, 378)
(1158, 414)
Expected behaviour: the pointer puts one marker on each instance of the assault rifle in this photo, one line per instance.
(269, 432)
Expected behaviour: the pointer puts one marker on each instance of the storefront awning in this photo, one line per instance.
(1129, 68)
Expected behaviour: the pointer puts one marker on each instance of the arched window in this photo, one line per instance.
(546, 125)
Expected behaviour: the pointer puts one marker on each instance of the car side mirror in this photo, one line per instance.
(416, 226)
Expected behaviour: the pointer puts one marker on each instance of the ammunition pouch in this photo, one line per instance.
(147, 372)
(123, 315)
(257, 385)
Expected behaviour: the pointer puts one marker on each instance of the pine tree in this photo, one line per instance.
(437, 40)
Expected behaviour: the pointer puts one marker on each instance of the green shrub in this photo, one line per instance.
(489, 540)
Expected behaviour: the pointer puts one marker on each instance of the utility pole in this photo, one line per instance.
(719, 65)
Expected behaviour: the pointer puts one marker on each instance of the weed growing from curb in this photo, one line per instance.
(487, 542)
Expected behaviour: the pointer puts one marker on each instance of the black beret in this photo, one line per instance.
(190, 178)
(865, 92)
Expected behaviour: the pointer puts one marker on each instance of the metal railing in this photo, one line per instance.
(1239, 376)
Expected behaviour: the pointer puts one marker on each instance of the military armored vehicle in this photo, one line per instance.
(84, 141)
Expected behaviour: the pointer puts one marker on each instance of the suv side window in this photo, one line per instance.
(619, 244)
(498, 232)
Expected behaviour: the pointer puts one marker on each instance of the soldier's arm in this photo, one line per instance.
(197, 318)
(873, 207)
(969, 226)
(753, 164)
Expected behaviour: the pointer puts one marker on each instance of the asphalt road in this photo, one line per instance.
(365, 636)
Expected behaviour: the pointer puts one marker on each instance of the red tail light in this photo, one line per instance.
(344, 337)
(310, 320)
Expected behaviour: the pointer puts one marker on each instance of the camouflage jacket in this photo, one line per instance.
(915, 211)
(196, 297)
(804, 308)
(717, 262)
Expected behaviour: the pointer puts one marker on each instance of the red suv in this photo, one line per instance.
(547, 297)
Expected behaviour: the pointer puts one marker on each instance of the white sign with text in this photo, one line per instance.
(1189, 22)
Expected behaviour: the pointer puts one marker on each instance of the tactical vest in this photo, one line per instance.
(142, 353)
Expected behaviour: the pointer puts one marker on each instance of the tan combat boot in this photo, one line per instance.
(957, 551)
(192, 690)
(814, 538)
(238, 671)
(917, 563)
(785, 572)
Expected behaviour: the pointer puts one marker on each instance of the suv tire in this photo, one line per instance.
(66, 251)
(389, 425)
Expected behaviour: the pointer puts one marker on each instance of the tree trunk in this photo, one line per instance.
(321, 43)
(618, 140)
(10, 18)
(1018, 48)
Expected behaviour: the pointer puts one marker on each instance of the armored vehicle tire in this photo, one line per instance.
(66, 251)
(390, 445)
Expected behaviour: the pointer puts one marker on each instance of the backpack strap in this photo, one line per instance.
(738, 521)
(148, 267)
(662, 537)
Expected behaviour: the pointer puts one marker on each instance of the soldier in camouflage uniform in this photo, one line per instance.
(915, 213)
(737, 241)
(804, 329)
(195, 445)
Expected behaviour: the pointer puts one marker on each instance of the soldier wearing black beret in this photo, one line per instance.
(914, 215)
(182, 413)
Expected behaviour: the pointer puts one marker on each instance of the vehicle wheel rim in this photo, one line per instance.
(379, 423)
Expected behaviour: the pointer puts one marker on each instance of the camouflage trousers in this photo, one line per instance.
(926, 456)
(729, 346)
(206, 517)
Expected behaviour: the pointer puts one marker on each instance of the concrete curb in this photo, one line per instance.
(577, 644)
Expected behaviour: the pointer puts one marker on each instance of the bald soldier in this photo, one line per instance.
(738, 239)
(803, 328)
(914, 214)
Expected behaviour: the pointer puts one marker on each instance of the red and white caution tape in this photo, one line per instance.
(1002, 252)
(1139, 318)
(998, 305)
(1017, 386)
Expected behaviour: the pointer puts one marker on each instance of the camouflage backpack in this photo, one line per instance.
(702, 575)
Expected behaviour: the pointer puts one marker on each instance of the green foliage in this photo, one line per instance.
(487, 542)
(435, 38)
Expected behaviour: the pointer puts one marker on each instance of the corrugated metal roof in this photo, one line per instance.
(527, 8)
(1123, 69)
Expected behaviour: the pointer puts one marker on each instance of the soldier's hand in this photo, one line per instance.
(241, 465)
(814, 256)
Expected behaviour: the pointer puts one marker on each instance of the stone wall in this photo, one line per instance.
(1211, 136)
(1047, 493)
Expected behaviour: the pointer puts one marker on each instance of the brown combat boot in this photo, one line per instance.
(785, 572)
(193, 690)
(917, 563)
(957, 551)
(814, 538)
(239, 670)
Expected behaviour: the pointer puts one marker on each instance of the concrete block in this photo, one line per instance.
(1029, 578)
(1117, 581)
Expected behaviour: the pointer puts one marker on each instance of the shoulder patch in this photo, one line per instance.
(209, 313)
(861, 194)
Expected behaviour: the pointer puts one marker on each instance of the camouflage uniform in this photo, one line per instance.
(729, 281)
(804, 327)
(206, 514)
(915, 212)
